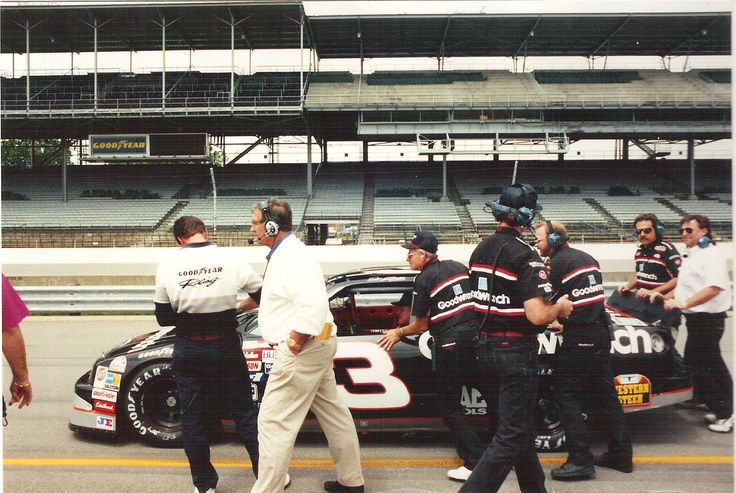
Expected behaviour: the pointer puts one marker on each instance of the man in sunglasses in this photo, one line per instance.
(657, 261)
(704, 295)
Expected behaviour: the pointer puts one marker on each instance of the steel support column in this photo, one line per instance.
(691, 159)
(309, 165)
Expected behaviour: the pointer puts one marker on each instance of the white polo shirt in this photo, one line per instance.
(703, 267)
(294, 296)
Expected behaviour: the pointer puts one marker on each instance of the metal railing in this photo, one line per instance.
(109, 299)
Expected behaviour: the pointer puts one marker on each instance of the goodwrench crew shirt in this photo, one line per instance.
(656, 264)
(442, 292)
(578, 275)
(518, 275)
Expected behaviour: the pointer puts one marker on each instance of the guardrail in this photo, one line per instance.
(108, 299)
(87, 299)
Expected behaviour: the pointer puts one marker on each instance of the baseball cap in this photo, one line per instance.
(424, 240)
(405, 299)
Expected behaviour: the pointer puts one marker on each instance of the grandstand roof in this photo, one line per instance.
(273, 24)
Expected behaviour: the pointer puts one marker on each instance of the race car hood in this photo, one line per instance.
(150, 340)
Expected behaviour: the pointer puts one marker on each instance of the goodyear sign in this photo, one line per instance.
(633, 390)
(118, 146)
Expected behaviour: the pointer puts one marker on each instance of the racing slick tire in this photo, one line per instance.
(151, 407)
(550, 432)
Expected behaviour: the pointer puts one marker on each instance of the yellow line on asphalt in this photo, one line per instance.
(326, 463)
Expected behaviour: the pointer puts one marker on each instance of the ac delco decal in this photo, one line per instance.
(118, 145)
(633, 390)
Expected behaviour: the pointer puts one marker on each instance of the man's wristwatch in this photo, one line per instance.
(291, 342)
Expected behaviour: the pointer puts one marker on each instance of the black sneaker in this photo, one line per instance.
(573, 472)
(609, 462)
(336, 487)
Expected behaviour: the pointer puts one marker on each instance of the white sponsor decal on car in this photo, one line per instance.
(150, 339)
(100, 375)
(157, 353)
(254, 366)
(104, 395)
(106, 423)
(118, 364)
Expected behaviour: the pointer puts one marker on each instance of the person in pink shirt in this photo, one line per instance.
(14, 348)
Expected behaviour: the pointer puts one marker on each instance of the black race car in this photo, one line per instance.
(132, 386)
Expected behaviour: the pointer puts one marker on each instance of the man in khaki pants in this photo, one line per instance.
(295, 318)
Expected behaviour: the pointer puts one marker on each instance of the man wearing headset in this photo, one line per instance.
(443, 304)
(196, 290)
(509, 286)
(703, 293)
(295, 318)
(657, 261)
(582, 363)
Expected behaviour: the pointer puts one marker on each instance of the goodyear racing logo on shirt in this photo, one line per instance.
(118, 145)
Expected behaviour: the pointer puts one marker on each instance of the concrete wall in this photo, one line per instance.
(137, 266)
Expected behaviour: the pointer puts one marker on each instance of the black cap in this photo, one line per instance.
(520, 195)
(424, 240)
(405, 299)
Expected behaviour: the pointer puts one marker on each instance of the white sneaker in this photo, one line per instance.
(710, 418)
(211, 490)
(460, 474)
(722, 425)
(287, 481)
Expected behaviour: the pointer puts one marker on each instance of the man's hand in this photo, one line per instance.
(556, 327)
(672, 304)
(564, 306)
(624, 289)
(20, 392)
(642, 293)
(655, 297)
(296, 341)
(389, 339)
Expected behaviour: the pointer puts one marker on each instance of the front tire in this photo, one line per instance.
(151, 406)
(550, 432)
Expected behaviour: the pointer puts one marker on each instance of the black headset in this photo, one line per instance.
(554, 240)
(269, 222)
(524, 215)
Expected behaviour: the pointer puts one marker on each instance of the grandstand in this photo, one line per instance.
(402, 198)
(135, 203)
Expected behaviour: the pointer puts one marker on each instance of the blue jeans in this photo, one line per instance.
(584, 380)
(456, 366)
(509, 367)
(213, 375)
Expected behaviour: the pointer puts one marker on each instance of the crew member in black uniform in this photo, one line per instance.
(509, 286)
(582, 370)
(657, 261)
(443, 303)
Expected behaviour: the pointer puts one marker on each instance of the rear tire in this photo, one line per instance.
(151, 406)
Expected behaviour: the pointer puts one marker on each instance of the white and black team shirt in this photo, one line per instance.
(578, 275)
(201, 283)
(513, 272)
(656, 264)
(442, 292)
